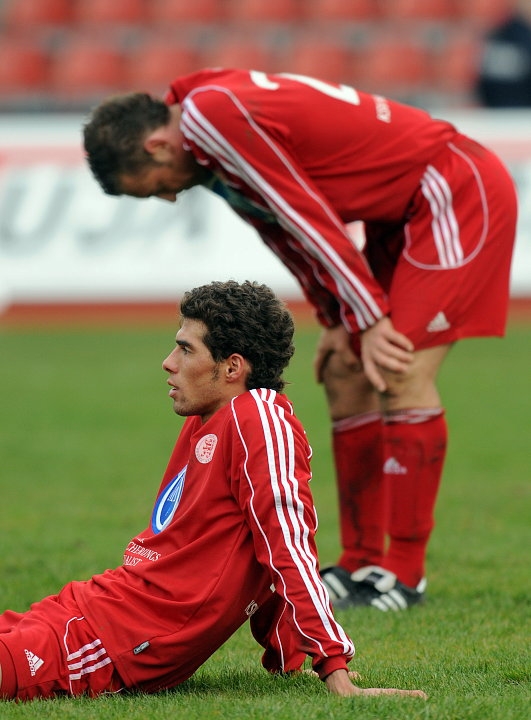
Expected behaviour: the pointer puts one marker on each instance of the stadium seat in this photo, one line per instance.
(456, 63)
(86, 68)
(231, 51)
(393, 66)
(152, 65)
(483, 13)
(269, 11)
(324, 59)
(433, 10)
(23, 68)
(30, 14)
(183, 11)
(340, 10)
(110, 12)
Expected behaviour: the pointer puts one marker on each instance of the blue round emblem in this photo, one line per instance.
(167, 503)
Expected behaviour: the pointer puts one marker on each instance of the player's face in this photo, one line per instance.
(164, 180)
(196, 381)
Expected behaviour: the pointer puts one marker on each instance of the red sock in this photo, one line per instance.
(358, 448)
(414, 453)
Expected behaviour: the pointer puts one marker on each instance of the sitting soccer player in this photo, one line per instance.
(231, 534)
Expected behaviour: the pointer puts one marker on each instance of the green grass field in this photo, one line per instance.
(85, 432)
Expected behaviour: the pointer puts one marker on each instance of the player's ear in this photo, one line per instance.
(237, 368)
(158, 146)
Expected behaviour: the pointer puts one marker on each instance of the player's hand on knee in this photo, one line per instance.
(383, 347)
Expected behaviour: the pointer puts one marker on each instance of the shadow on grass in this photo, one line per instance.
(229, 682)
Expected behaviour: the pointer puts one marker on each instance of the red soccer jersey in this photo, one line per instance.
(299, 158)
(231, 537)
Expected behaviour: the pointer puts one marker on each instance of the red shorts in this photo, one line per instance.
(52, 650)
(446, 271)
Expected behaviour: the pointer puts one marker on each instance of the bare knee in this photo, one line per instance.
(348, 392)
(416, 387)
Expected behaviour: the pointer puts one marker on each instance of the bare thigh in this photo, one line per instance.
(416, 388)
(349, 393)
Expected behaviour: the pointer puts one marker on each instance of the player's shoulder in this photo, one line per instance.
(266, 416)
(198, 83)
(256, 407)
(210, 82)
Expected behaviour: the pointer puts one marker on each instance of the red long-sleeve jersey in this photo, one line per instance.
(231, 537)
(299, 158)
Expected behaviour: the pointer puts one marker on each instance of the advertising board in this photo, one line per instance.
(63, 240)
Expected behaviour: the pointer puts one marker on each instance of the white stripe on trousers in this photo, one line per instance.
(444, 224)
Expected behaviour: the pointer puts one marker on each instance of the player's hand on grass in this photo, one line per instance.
(384, 348)
(353, 675)
(334, 340)
(340, 682)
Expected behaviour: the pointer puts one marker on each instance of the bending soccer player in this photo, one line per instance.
(231, 535)
(299, 159)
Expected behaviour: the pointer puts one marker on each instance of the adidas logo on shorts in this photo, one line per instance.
(34, 662)
(438, 324)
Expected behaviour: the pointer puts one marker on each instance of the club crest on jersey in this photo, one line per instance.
(204, 450)
(167, 503)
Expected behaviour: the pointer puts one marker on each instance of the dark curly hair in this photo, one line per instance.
(114, 136)
(245, 318)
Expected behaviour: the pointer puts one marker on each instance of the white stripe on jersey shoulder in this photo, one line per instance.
(197, 128)
(280, 459)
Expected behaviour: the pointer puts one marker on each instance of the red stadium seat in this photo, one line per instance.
(85, 68)
(456, 63)
(324, 59)
(340, 10)
(30, 14)
(233, 51)
(111, 12)
(23, 67)
(431, 10)
(154, 64)
(185, 11)
(483, 13)
(391, 66)
(269, 11)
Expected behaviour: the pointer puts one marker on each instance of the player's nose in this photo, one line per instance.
(169, 364)
(169, 196)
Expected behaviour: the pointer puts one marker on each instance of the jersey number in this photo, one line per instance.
(339, 92)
